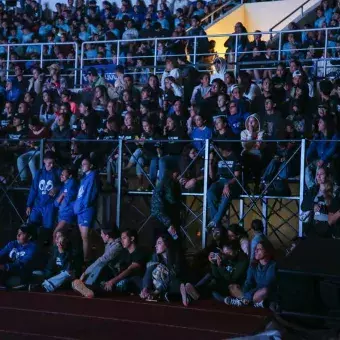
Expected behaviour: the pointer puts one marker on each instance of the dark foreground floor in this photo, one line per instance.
(67, 316)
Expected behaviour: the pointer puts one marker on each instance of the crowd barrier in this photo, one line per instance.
(111, 155)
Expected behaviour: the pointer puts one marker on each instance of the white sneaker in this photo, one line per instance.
(233, 301)
(259, 304)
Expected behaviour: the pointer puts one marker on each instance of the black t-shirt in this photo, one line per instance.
(13, 134)
(137, 256)
(173, 147)
(228, 166)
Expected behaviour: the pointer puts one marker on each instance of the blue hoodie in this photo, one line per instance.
(87, 193)
(44, 181)
(18, 258)
(322, 150)
(70, 188)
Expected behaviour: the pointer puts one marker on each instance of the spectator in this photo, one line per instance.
(65, 200)
(258, 236)
(321, 153)
(90, 279)
(40, 203)
(85, 204)
(129, 278)
(164, 274)
(18, 258)
(166, 202)
(259, 287)
(31, 158)
(59, 270)
(315, 205)
(226, 171)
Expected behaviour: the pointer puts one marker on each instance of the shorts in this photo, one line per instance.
(86, 218)
(68, 218)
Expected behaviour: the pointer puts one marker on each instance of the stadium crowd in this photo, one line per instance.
(163, 122)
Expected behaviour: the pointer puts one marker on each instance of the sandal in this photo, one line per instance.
(185, 298)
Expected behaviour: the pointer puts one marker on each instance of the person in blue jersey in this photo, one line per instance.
(17, 258)
(85, 204)
(65, 200)
(200, 132)
(40, 204)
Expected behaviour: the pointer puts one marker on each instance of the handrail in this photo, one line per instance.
(204, 19)
(290, 14)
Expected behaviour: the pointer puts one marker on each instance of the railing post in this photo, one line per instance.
(280, 44)
(42, 147)
(302, 182)
(155, 58)
(118, 51)
(7, 62)
(81, 63)
(325, 53)
(265, 215)
(236, 47)
(195, 48)
(119, 181)
(205, 192)
(41, 55)
(75, 64)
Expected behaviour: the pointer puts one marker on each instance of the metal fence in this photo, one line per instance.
(280, 214)
(324, 57)
(42, 52)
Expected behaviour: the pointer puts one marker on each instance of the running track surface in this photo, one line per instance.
(66, 316)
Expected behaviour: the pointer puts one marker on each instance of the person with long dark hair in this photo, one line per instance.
(322, 150)
(166, 202)
(315, 205)
(260, 284)
(164, 273)
(65, 200)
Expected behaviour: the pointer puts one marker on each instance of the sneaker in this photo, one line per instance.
(211, 225)
(192, 292)
(80, 287)
(259, 304)
(233, 301)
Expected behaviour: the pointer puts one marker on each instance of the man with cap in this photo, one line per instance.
(55, 82)
(40, 204)
(17, 258)
(112, 254)
(94, 79)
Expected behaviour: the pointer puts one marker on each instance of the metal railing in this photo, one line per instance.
(122, 150)
(216, 14)
(42, 57)
(199, 58)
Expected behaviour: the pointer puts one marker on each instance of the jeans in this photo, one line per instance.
(218, 204)
(30, 158)
(166, 162)
(273, 167)
(57, 281)
(138, 160)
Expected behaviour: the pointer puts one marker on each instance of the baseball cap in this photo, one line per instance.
(297, 73)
